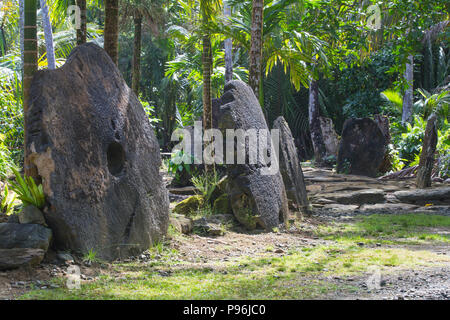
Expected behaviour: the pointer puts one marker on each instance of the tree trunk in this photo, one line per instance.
(426, 164)
(48, 34)
(207, 71)
(29, 69)
(314, 123)
(111, 32)
(207, 61)
(409, 94)
(21, 30)
(137, 53)
(228, 48)
(255, 65)
(82, 32)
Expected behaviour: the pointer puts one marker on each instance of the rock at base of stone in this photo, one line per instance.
(98, 158)
(31, 215)
(290, 167)
(181, 223)
(362, 148)
(370, 196)
(427, 157)
(32, 236)
(423, 197)
(256, 194)
(20, 257)
(189, 206)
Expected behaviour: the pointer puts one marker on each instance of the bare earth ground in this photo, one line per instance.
(427, 277)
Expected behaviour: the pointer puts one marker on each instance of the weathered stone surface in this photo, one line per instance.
(427, 157)
(181, 223)
(330, 137)
(423, 197)
(207, 227)
(370, 196)
(98, 158)
(33, 236)
(383, 124)
(20, 257)
(189, 205)
(222, 205)
(184, 191)
(388, 207)
(256, 198)
(290, 167)
(362, 148)
(31, 215)
(340, 208)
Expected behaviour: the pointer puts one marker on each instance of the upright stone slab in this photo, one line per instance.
(427, 157)
(330, 137)
(362, 148)
(383, 123)
(290, 167)
(256, 198)
(98, 158)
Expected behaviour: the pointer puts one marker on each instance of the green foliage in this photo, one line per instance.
(206, 183)
(394, 103)
(180, 164)
(408, 139)
(6, 162)
(7, 204)
(437, 103)
(90, 257)
(28, 192)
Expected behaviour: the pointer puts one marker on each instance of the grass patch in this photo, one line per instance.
(389, 229)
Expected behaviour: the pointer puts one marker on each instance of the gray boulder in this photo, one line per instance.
(257, 198)
(290, 167)
(34, 236)
(362, 148)
(31, 215)
(20, 257)
(436, 196)
(98, 158)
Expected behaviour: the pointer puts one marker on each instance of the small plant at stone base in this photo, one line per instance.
(206, 184)
(27, 190)
(7, 204)
(90, 257)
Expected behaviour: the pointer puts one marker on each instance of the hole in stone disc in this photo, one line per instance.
(116, 158)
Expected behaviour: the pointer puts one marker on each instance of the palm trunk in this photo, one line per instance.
(137, 53)
(82, 32)
(207, 71)
(207, 61)
(111, 32)
(21, 30)
(255, 65)
(228, 49)
(48, 34)
(314, 123)
(29, 69)
(409, 94)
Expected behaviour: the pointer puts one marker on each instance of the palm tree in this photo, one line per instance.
(256, 47)
(48, 34)
(82, 32)
(111, 32)
(228, 47)
(29, 69)
(137, 51)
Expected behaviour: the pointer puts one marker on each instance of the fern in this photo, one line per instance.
(28, 192)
